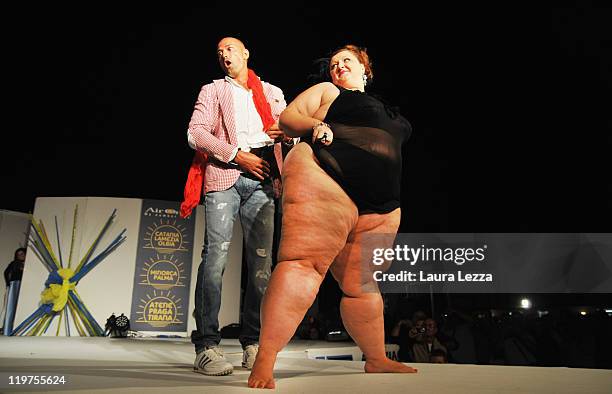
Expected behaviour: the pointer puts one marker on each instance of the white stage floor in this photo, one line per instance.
(165, 365)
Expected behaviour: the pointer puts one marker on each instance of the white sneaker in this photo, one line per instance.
(211, 361)
(248, 356)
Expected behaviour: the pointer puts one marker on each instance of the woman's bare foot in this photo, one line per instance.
(261, 375)
(387, 365)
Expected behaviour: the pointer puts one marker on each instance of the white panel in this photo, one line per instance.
(108, 287)
(34, 273)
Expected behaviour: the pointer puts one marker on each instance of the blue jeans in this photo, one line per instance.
(254, 201)
(11, 306)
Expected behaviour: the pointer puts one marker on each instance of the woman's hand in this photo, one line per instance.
(322, 134)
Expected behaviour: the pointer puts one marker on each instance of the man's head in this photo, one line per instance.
(431, 328)
(20, 254)
(233, 57)
(438, 356)
(418, 315)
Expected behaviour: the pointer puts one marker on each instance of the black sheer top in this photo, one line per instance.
(365, 157)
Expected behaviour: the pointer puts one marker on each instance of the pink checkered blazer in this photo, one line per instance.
(212, 129)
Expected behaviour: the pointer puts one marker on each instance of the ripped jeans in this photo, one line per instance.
(254, 202)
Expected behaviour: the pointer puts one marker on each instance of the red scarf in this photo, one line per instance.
(195, 178)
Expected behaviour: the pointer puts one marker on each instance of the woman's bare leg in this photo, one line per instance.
(317, 219)
(361, 306)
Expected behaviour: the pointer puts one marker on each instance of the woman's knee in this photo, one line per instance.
(306, 267)
(357, 288)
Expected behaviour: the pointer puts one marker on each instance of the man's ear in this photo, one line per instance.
(246, 53)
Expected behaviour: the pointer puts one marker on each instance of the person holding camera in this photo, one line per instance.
(12, 276)
(426, 341)
(406, 332)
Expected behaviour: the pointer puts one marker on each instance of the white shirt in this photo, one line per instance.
(249, 127)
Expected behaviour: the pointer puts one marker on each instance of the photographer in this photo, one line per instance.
(12, 276)
(426, 341)
(417, 331)
(406, 332)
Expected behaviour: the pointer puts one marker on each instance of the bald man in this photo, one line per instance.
(235, 122)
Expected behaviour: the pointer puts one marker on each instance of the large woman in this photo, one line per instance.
(341, 191)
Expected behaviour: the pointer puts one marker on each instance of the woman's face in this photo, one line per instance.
(346, 71)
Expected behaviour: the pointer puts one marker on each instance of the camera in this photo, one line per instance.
(117, 326)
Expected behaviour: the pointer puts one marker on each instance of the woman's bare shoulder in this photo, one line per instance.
(328, 90)
(321, 88)
(326, 86)
(320, 93)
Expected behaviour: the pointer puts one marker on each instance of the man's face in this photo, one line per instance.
(232, 56)
(431, 327)
(20, 255)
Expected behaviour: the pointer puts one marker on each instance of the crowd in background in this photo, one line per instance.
(558, 337)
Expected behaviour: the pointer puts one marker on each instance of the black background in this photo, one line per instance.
(510, 105)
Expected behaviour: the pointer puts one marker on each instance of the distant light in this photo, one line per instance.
(525, 303)
(542, 313)
(510, 313)
(608, 311)
(335, 332)
(583, 313)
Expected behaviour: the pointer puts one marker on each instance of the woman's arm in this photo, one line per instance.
(306, 111)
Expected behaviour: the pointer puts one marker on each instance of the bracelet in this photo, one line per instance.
(319, 125)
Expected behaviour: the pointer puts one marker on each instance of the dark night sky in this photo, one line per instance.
(510, 105)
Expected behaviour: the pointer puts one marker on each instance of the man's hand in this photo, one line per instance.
(406, 322)
(253, 164)
(275, 133)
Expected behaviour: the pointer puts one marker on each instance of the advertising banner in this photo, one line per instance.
(160, 300)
